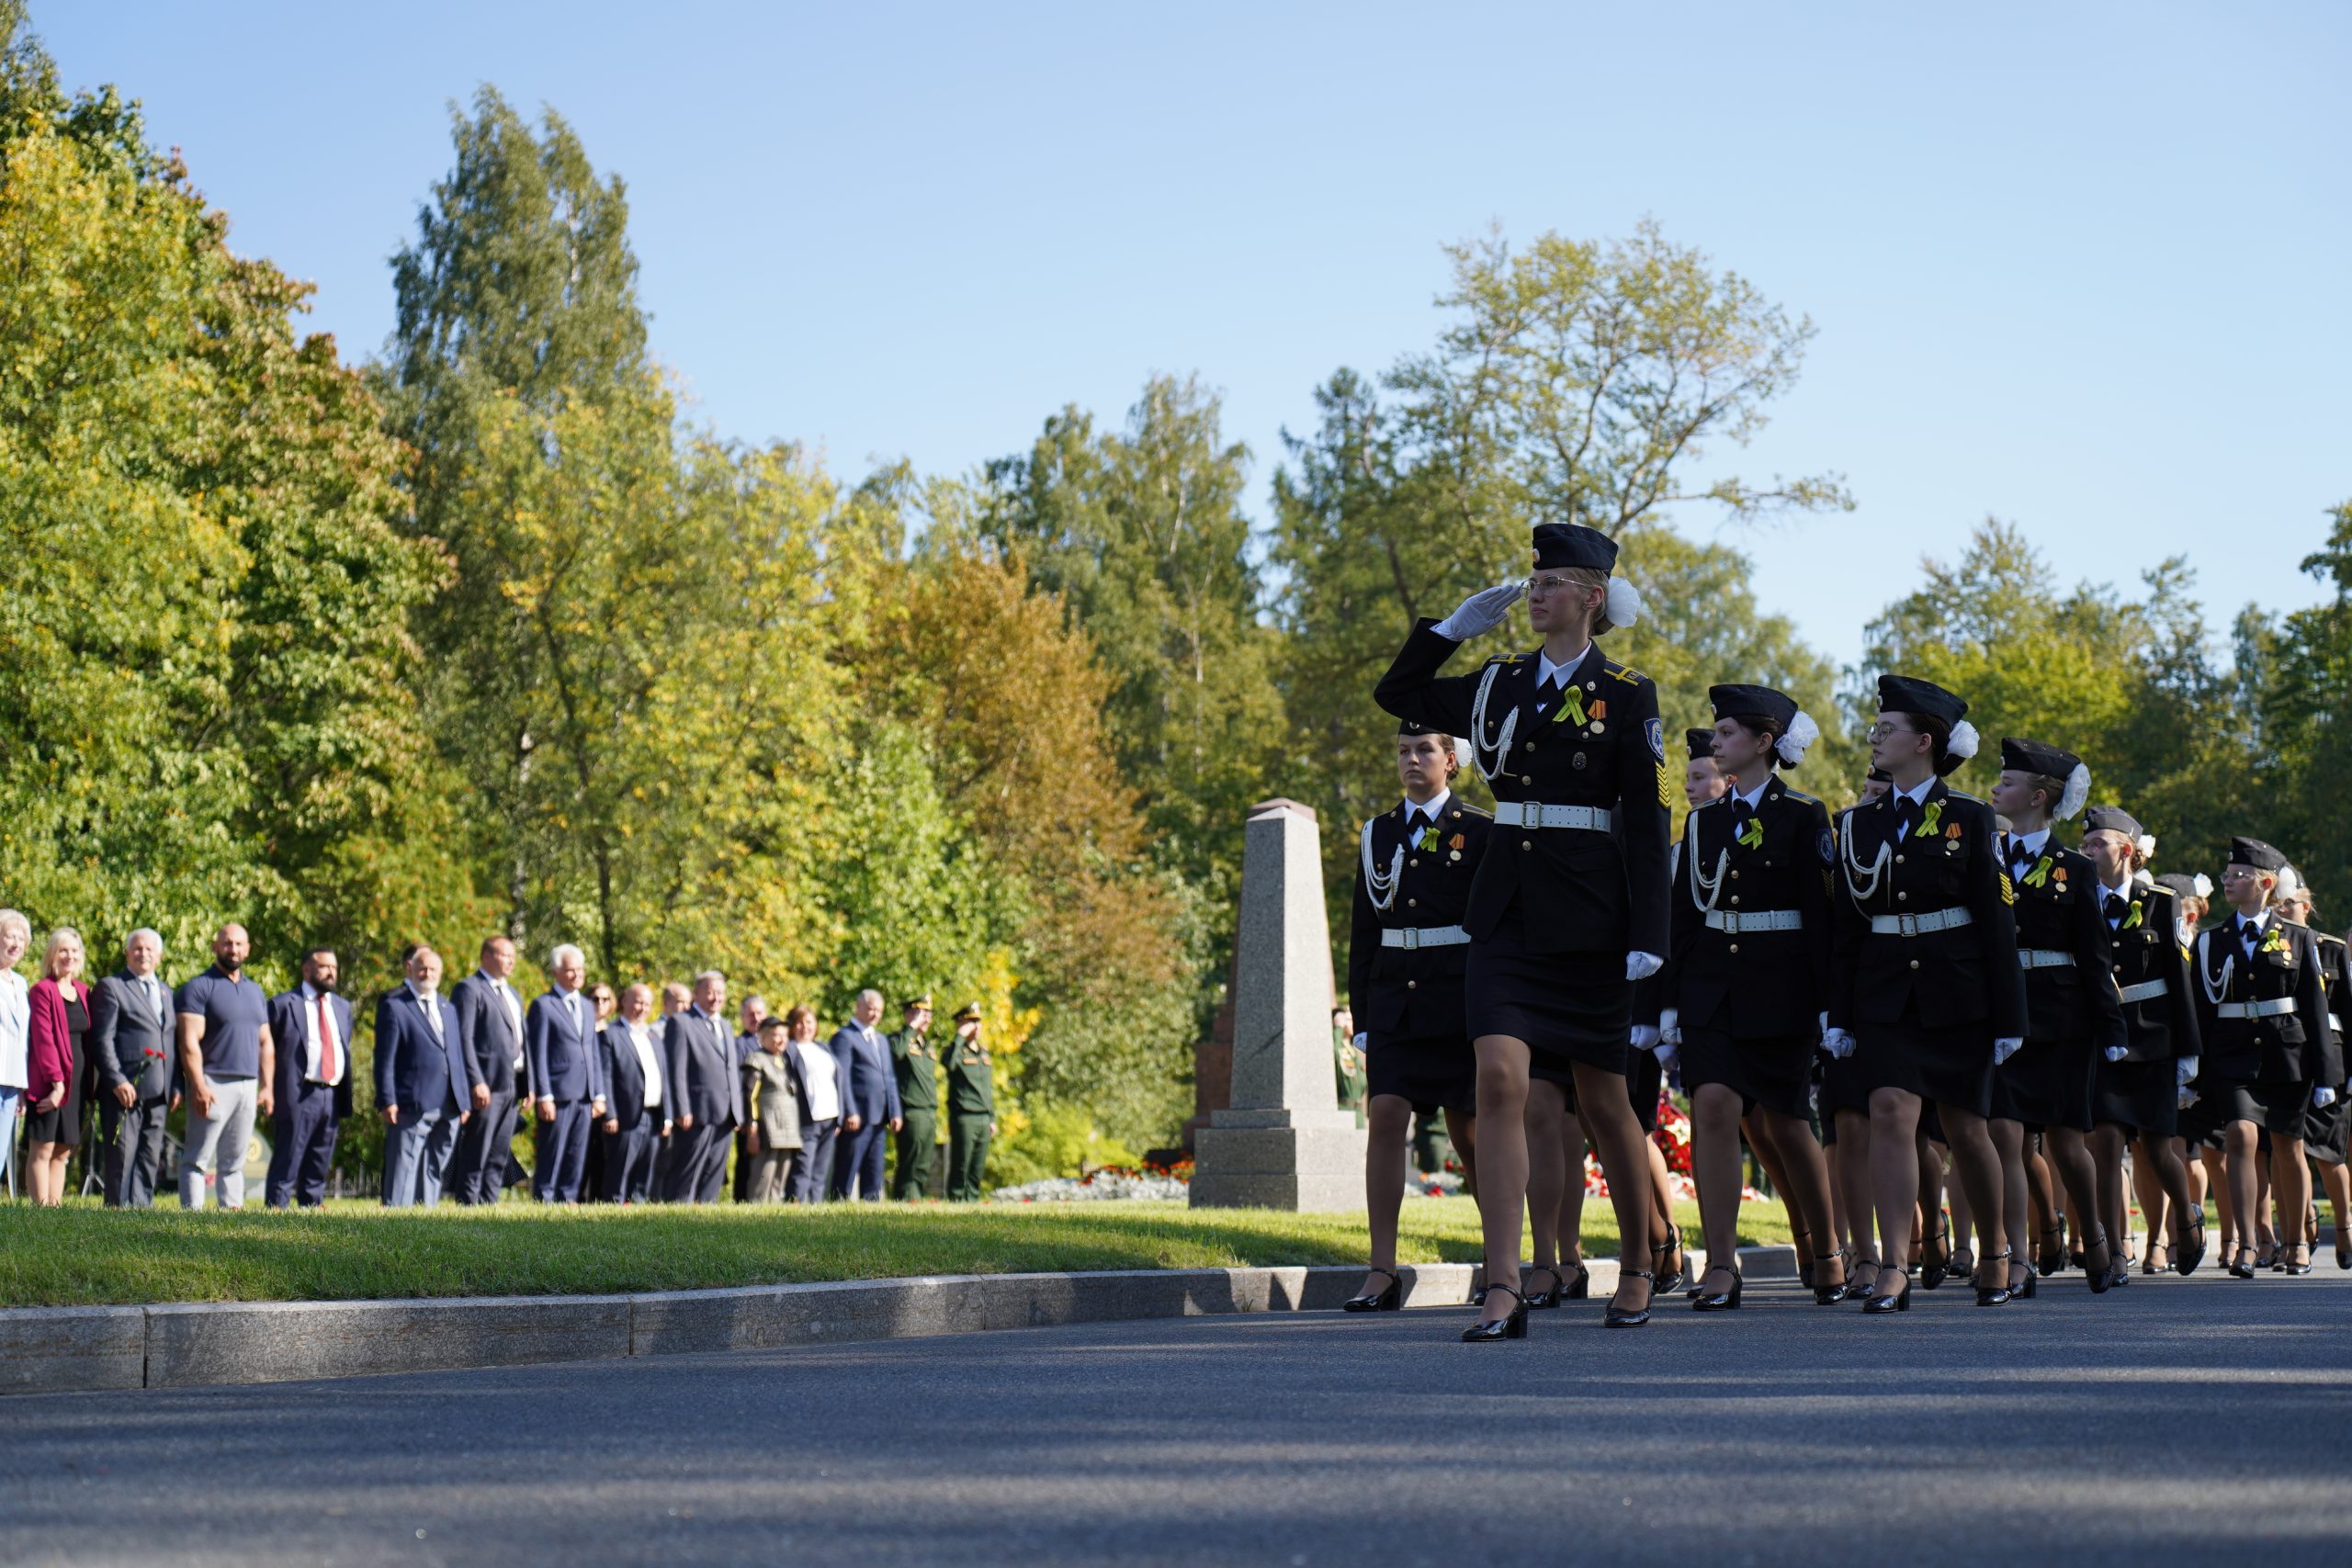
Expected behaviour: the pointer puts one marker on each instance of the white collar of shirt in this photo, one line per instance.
(2028, 843)
(310, 993)
(421, 997)
(2123, 892)
(1547, 673)
(1755, 797)
(1916, 795)
(1429, 812)
(2257, 924)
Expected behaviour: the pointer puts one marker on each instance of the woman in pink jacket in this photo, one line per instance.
(57, 1063)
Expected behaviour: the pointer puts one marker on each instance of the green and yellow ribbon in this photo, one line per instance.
(1752, 834)
(1571, 707)
(1931, 824)
(1427, 841)
(2132, 918)
(2040, 876)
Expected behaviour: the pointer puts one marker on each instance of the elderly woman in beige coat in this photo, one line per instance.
(771, 1101)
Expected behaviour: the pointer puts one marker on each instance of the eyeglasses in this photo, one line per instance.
(1885, 731)
(1549, 583)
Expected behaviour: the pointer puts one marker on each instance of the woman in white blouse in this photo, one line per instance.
(821, 1108)
(15, 1017)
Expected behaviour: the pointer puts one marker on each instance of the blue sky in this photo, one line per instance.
(2081, 267)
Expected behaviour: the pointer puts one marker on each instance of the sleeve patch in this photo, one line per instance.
(1828, 847)
(2009, 893)
(1656, 732)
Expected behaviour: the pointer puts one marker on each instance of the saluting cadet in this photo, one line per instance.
(912, 1060)
(1746, 984)
(2074, 1019)
(2269, 1055)
(1406, 954)
(1569, 909)
(971, 1105)
(1927, 993)
(2135, 1096)
(2328, 1128)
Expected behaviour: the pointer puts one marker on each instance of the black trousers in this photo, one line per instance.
(628, 1176)
(304, 1131)
(698, 1161)
(478, 1171)
(812, 1167)
(134, 1143)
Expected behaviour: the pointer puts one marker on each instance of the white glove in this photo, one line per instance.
(2116, 1052)
(1644, 1037)
(1642, 965)
(1667, 1055)
(2323, 1096)
(2004, 1049)
(2185, 1071)
(1825, 1022)
(1669, 1026)
(2187, 1097)
(1362, 1040)
(1482, 611)
(1837, 1043)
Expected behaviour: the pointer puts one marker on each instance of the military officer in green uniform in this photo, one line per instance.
(1347, 1063)
(971, 1105)
(911, 1056)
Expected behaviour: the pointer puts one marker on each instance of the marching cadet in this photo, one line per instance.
(917, 1069)
(2074, 1019)
(1746, 984)
(2135, 1096)
(1845, 1108)
(2269, 1056)
(1569, 909)
(1406, 954)
(971, 1105)
(2327, 1129)
(1928, 994)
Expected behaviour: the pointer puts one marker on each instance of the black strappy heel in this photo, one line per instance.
(1545, 1301)
(1932, 1272)
(2187, 1254)
(2102, 1278)
(1621, 1317)
(1830, 1296)
(2000, 1294)
(1668, 1280)
(1388, 1299)
(1855, 1290)
(1511, 1328)
(1718, 1301)
(1804, 1266)
(1885, 1304)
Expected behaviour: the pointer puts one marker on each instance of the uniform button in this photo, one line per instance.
(1412, 903)
(1735, 900)
(1735, 876)
(1527, 778)
(1531, 746)
(1412, 984)
(1415, 861)
(1734, 947)
(1915, 963)
(1898, 860)
(1527, 843)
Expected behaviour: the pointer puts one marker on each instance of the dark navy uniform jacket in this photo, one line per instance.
(2059, 910)
(1575, 890)
(1777, 982)
(2144, 947)
(1399, 993)
(2293, 1046)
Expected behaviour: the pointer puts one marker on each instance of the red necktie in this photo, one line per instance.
(329, 1068)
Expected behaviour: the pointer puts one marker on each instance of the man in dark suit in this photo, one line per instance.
(131, 1043)
(427, 1084)
(560, 1035)
(490, 1017)
(637, 1101)
(706, 1090)
(869, 1100)
(311, 1027)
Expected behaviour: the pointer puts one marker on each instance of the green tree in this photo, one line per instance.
(2306, 742)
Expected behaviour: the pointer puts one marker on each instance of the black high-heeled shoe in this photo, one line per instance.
(1805, 1265)
(2053, 1258)
(1668, 1280)
(2186, 1255)
(1857, 1290)
(1933, 1269)
(2148, 1264)
(1388, 1300)
(2263, 1261)
(1511, 1328)
(1898, 1303)
(1830, 1296)
(2343, 1252)
(1719, 1300)
(1581, 1287)
(1622, 1317)
(2242, 1264)
(2296, 1270)
(2000, 1294)
(1545, 1300)
(2102, 1278)
(2031, 1288)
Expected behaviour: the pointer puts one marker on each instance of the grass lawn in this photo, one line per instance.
(84, 1255)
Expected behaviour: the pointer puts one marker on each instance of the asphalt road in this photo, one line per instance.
(2177, 1421)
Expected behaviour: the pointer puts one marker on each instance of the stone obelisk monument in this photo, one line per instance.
(1283, 1143)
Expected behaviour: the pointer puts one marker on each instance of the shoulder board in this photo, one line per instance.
(1624, 672)
(2156, 890)
(1799, 795)
(1704, 804)
(1474, 813)
(1505, 657)
(2326, 941)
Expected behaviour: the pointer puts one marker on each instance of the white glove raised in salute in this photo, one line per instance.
(1482, 611)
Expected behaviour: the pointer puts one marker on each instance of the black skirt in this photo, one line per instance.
(2046, 1084)
(1842, 1089)
(1568, 1007)
(1950, 1065)
(2200, 1125)
(1441, 1071)
(1775, 1072)
(2276, 1108)
(2143, 1096)
(2327, 1134)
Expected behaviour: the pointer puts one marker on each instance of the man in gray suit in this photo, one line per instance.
(490, 1017)
(130, 1041)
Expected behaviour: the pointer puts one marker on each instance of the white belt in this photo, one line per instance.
(2047, 958)
(1412, 937)
(1920, 925)
(1529, 814)
(1735, 923)
(2146, 990)
(2277, 1007)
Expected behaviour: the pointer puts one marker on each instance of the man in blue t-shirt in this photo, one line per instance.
(227, 1061)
